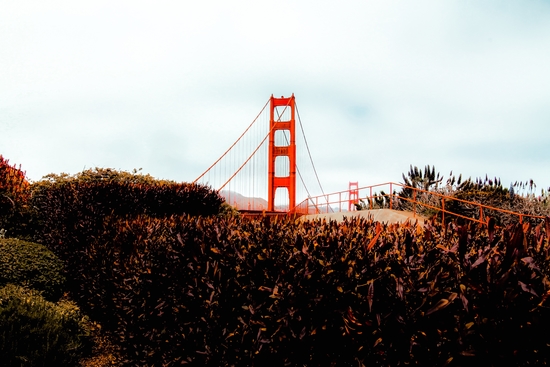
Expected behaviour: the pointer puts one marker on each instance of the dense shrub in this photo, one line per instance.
(13, 186)
(31, 265)
(35, 332)
(72, 211)
(170, 287)
(77, 206)
(233, 291)
(106, 192)
(14, 196)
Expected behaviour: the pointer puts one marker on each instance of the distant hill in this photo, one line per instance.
(243, 202)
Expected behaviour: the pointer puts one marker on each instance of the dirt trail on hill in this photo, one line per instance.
(379, 215)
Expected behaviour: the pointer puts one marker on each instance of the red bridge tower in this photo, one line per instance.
(282, 152)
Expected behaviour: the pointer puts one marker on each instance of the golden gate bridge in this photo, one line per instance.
(269, 169)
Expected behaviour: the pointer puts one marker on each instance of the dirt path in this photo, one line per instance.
(379, 215)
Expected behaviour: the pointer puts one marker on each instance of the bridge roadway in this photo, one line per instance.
(387, 216)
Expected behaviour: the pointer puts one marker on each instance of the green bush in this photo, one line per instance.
(31, 265)
(36, 332)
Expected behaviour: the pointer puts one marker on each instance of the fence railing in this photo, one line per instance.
(416, 200)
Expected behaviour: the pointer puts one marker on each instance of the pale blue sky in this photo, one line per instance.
(380, 85)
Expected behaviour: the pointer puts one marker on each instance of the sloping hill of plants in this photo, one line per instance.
(171, 280)
(430, 186)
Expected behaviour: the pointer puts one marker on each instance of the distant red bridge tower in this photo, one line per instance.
(282, 150)
(353, 191)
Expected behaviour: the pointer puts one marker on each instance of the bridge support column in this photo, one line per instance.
(282, 147)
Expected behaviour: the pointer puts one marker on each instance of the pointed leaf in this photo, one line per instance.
(441, 304)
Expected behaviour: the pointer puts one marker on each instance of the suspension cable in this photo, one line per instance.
(254, 152)
(245, 162)
(296, 164)
(231, 147)
(310, 158)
